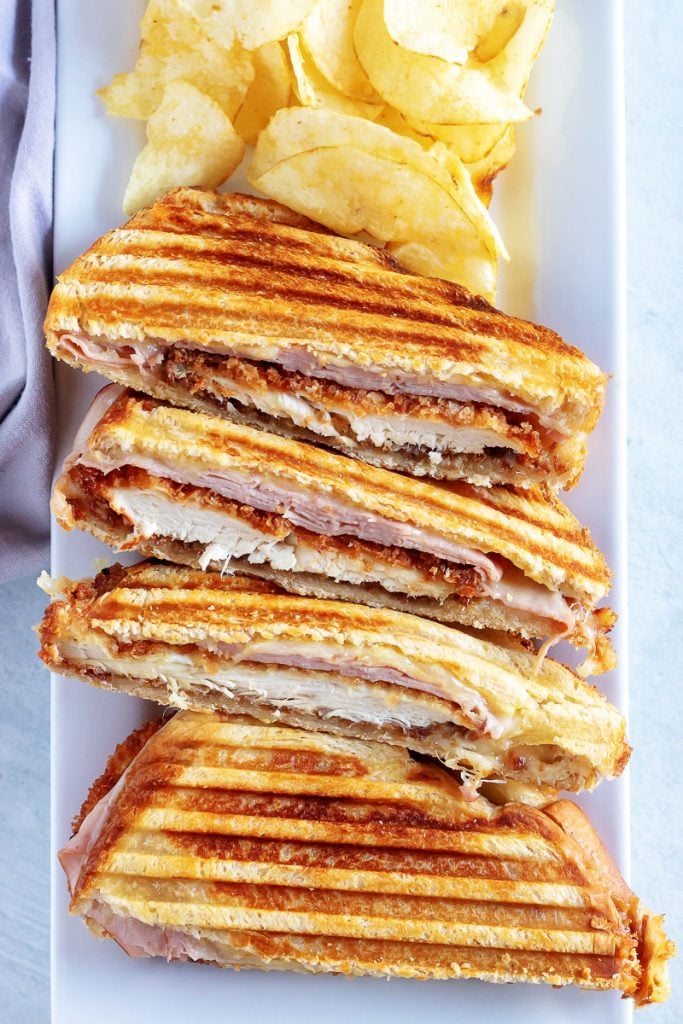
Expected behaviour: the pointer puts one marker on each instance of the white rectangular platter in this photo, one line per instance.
(560, 208)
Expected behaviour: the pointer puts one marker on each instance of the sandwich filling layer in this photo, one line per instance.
(463, 433)
(198, 639)
(223, 534)
(315, 693)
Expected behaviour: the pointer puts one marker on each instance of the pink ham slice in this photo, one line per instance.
(473, 709)
(135, 937)
(320, 513)
(73, 856)
(148, 354)
(138, 939)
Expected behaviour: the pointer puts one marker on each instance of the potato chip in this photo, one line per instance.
(313, 90)
(459, 258)
(297, 130)
(483, 172)
(510, 67)
(485, 150)
(351, 191)
(507, 21)
(327, 34)
(392, 119)
(449, 29)
(354, 176)
(173, 48)
(269, 91)
(190, 142)
(251, 22)
(470, 141)
(427, 88)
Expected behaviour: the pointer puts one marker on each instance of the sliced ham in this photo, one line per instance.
(138, 939)
(73, 856)
(394, 382)
(517, 591)
(320, 513)
(99, 405)
(147, 354)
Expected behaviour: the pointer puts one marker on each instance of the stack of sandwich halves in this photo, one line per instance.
(344, 480)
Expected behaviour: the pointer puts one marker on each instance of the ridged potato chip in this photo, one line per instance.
(484, 172)
(269, 91)
(173, 48)
(296, 130)
(452, 29)
(312, 90)
(460, 258)
(190, 142)
(427, 88)
(251, 22)
(353, 176)
(471, 142)
(327, 34)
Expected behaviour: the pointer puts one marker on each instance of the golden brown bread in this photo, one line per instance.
(236, 277)
(261, 846)
(193, 639)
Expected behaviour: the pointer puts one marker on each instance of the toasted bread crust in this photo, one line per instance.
(285, 849)
(258, 282)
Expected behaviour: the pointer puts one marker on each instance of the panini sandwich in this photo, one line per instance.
(236, 306)
(232, 643)
(217, 839)
(210, 493)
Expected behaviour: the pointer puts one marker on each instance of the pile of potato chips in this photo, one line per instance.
(390, 117)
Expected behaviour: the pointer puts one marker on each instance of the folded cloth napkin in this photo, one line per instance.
(27, 108)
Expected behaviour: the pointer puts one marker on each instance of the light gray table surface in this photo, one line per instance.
(654, 106)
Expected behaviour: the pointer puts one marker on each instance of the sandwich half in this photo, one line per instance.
(236, 306)
(232, 643)
(221, 840)
(210, 493)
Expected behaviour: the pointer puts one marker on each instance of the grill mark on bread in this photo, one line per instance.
(417, 960)
(170, 314)
(245, 249)
(486, 892)
(286, 282)
(434, 866)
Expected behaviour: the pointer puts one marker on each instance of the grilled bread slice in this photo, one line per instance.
(234, 643)
(211, 493)
(223, 840)
(229, 304)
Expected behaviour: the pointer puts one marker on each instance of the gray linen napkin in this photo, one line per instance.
(27, 107)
